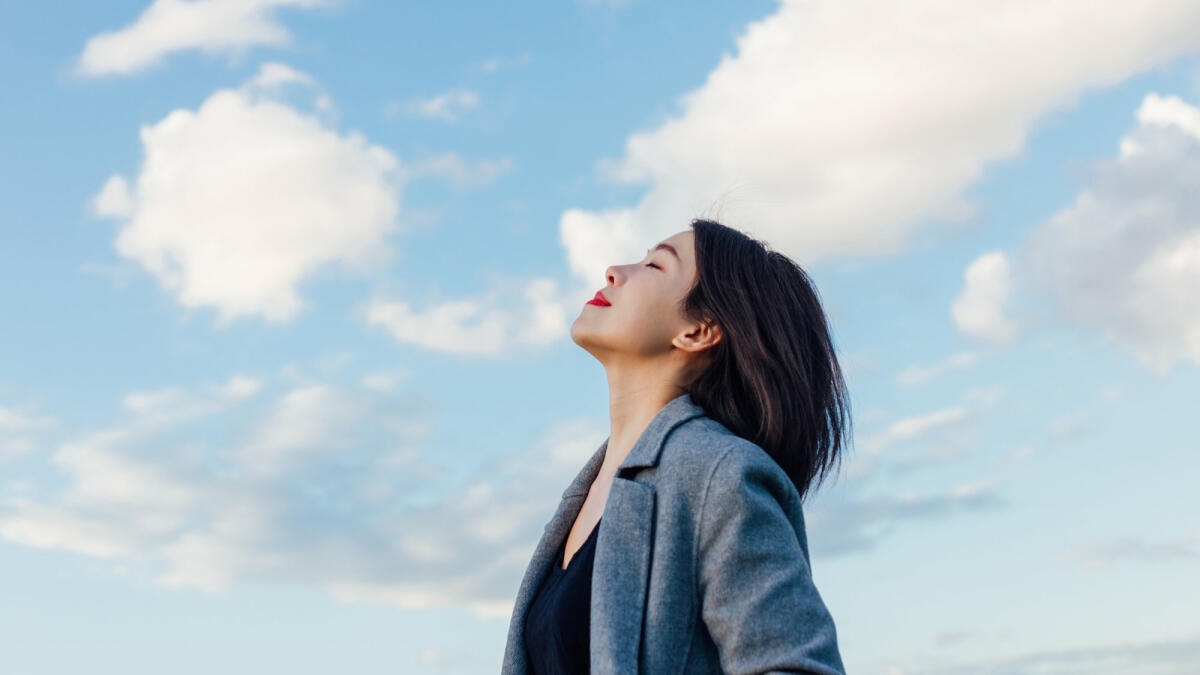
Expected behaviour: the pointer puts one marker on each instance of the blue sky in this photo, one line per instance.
(287, 285)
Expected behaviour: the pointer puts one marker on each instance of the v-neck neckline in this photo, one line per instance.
(586, 542)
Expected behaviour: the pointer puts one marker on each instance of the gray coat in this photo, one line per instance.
(701, 560)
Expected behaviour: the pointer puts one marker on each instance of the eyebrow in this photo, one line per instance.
(667, 247)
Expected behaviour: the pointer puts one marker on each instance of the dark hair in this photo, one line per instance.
(773, 377)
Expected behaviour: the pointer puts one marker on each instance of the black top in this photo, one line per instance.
(556, 628)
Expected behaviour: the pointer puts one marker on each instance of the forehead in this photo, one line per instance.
(680, 238)
(681, 242)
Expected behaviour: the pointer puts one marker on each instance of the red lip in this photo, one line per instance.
(599, 300)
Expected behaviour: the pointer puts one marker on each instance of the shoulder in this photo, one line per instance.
(716, 460)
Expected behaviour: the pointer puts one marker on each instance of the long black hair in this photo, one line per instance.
(773, 377)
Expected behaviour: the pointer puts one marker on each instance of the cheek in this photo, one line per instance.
(653, 322)
(648, 309)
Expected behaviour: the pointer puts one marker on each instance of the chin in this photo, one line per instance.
(575, 331)
(581, 336)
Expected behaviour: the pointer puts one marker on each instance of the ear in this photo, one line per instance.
(699, 337)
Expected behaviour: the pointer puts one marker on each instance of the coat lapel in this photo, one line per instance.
(516, 661)
(620, 575)
(624, 543)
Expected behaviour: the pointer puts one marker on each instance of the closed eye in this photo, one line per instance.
(653, 265)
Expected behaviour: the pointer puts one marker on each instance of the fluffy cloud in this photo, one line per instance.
(312, 485)
(240, 200)
(306, 420)
(1124, 258)
(513, 314)
(980, 308)
(839, 127)
(301, 482)
(167, 26)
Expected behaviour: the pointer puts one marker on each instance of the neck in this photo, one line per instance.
(634, 398)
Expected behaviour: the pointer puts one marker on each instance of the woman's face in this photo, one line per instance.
(644, 317)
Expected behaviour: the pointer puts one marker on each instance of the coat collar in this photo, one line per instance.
(621, 566)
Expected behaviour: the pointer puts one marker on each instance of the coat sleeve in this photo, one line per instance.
(757, 595)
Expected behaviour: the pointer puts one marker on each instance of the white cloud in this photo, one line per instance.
(981, 306)
(145, 402)
(12, 419)
(114, 199)
(920, 374)
(273, 75)
(1021, 453)
(382, 380)
(463, 174)
(168, 26)
(1105, 552)
(19, 430)
(863, 509)
(353, 502)
(985, 395)
(841, 126)
(13, 446)
(240, 386)
(308, 419)
(447, 106)
(170, 406)
(513, 314)
(1124, 258)
(908, 428)
(846, 521)
(242, 199)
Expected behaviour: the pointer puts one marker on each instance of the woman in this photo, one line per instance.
(680, 547)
